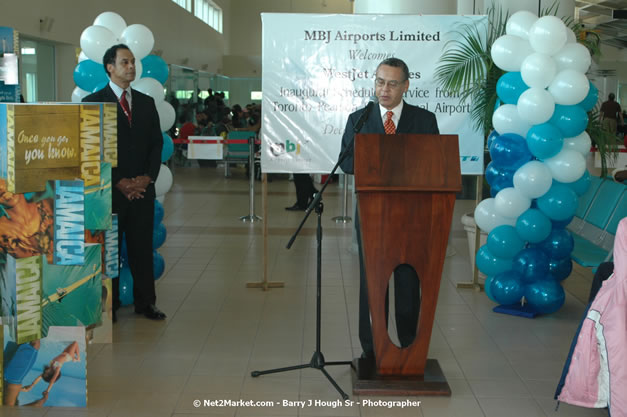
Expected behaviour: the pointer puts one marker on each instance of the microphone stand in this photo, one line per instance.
(317, 360)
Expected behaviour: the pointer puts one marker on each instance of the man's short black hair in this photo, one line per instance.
(611, 96)
(111, 54)
(397, 63)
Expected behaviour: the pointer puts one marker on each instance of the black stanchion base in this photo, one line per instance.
(366, 381)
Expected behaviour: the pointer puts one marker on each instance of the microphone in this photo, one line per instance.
(364, 116)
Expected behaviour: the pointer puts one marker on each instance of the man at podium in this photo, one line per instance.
(390, 115)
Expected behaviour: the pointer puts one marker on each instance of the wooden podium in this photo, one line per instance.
(406, 185)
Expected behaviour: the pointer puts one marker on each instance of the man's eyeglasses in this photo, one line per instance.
(380, 82)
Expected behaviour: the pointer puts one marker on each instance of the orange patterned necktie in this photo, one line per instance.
(389, 127)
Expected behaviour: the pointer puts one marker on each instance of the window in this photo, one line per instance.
(209, 12)
(186, 4)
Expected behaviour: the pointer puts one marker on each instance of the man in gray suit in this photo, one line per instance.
(391, 115)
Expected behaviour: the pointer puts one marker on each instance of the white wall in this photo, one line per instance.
(177, 33)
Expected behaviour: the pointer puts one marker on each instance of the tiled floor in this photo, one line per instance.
(218, 330)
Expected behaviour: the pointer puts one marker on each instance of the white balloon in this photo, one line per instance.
(487, 218)
(519, 24)
(547, 35)
(569, 87)
(139, 68)
(570, 36)
(164, 181)
(95, 40)
(511, 203)
(538, 70)
(580, 143)
(573, 56)
(567, 166)
(160, 198)
(151, 87)
(112, 21)
(167, 115)
(536, 106)
(533, 179)
(78, 94)
(139, 39)
(509, 51)
(507, 120)
(82, 57)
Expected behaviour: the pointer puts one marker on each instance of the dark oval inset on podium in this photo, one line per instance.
(402, 306)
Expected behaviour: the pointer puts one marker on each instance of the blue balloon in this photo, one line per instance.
(507, 288)
(158, 264)
(560, 269)
(533, 226)
(510, 151)
(581, 185)
(488, 290)
(159, 213)
(532, 264)
(490, 264)
(558, 245)
(570, 120)
(504, 242)
(591, 99)
(90, 75)
(559, 203)
(499, 177)
(544, 140)
(510, 86)
(545, 296)
(159, 234)
(126, 286)
(561, 224)
(168, 147)
(155, 67)
(493, 135)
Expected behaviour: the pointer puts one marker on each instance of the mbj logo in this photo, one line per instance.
(278, 149)
(469, 158)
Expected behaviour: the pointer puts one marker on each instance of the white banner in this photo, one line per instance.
(317, 69)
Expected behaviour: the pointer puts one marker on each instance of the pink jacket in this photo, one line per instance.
(597, 374)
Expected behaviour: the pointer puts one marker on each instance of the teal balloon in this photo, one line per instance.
(531, 264)
(510, 86)
(159, 235)
(159, 213)
(90, 75)
(544, 140)
(490, 264)
(570, 120)
(591, 99)
(558, 245)
(561, 224)
(126, 286)
(158, 264)
(560, 269)
(533, 226)
(545, 296)
(510, 151)
(581, 185)
(155, 67)
(168, 147)
(504, 242)
(488, 289)
(559, 203)
(507, 288)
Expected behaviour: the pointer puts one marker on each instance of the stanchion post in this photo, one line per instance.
(251, 183)
(474, 284)
(344, 218)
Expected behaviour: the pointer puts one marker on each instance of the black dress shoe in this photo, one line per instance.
(151, 312)
(295, 207)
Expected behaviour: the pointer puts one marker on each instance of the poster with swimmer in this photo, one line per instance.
(50, 372)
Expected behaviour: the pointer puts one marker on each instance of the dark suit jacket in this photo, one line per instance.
(139, 145)
(413, 120)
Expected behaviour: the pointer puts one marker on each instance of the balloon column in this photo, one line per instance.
(152, 72)
(538, 164)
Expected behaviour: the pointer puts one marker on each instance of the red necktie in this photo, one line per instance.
(389, 127)
(125, 106)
